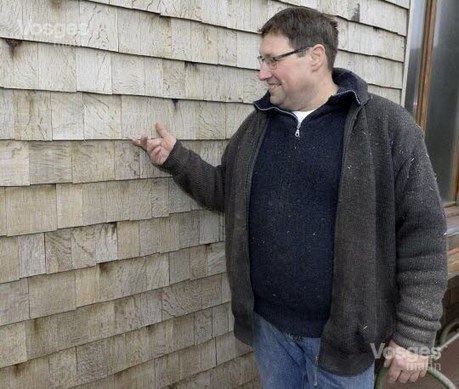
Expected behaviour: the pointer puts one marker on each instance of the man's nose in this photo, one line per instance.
(264, 73)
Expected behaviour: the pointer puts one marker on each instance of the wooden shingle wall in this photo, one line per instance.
(110, 276)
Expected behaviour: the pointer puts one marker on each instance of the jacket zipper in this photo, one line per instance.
(298, 124)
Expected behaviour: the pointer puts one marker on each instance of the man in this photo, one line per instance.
(334, 227)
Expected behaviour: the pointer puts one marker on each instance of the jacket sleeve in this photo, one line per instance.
(421, 246)
(202, 181)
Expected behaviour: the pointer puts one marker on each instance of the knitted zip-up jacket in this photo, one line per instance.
(390, 269)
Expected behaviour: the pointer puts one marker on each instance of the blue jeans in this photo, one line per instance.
(290, 362)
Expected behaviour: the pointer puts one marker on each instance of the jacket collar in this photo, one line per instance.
(350, 87)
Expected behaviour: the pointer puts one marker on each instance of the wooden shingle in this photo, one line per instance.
(94, 203)
(128, 74)
(32, 115)
(100, 26)
(157, 271)
(211, 291)
(50, 294)
(138, 350)
(156, 35)
(184, 9)
(58, 251)
(13, 344)
(93, 244)
(3, 229)
(203, 325)
(227, 47)
(179, 266)
(137, 116)
(87, 286)
(129, 35)
(67, 116)
(14, 302)
(194, 81)
(128, 239)
(247, 50)
(181, 299)
(94, 70)
(139, 376)
(14, 165)
(179, 201)
(32, 259)
(150, 236)
(11, 22)
(6, 113)
(204, 41)
(147, 5)
(69, 205)
(127, 161)
(138, 311)
(187, 228)
(102, 116)
(209, 225)
(9, 259)
(211, 121)
(121, 278)
(214, 12)
(63, 368)
(181, 39)
(57, 68)
(20, 65)
(173, 76)
(220, 319)
(197, 359)
(93, 161)
(50, 162)
(31, 209)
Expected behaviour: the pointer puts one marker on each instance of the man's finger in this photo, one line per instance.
(394, 373)
(153, 144)
(161, 130)
(404, 376)
(388, 361)
(141, 142)
(415, 376)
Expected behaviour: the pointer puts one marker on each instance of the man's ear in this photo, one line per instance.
(318, 56)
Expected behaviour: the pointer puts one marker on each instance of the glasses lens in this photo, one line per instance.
(268, 61)
(271, 62)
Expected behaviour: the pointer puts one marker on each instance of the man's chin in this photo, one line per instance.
(278, 103)
(273, 100)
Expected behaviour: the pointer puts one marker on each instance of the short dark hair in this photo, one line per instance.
(305, 27)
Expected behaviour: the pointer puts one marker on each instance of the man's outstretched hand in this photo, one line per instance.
(157, 148)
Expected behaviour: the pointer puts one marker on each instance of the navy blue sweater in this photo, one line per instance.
(292, 216)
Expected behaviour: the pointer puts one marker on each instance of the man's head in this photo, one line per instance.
(305, 27)
(297, 53)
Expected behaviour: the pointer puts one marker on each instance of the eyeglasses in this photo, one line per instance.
(271, 62)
